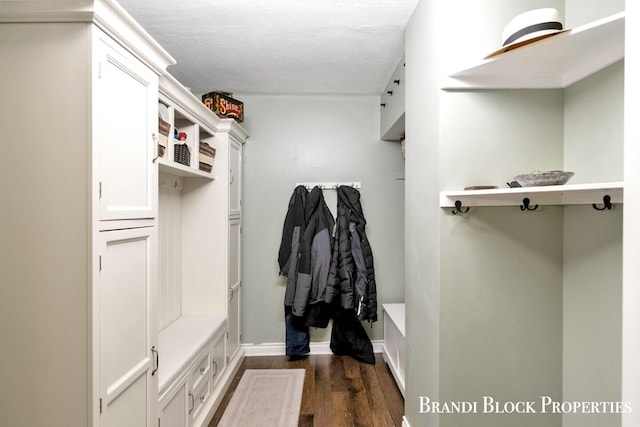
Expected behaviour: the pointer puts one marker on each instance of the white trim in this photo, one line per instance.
(278, 349)
(405, 422)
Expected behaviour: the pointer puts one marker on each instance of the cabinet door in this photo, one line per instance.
(125, 123)
(126, 328)
(219, 363)
(235, 178)
(235, 281)
(174, 412)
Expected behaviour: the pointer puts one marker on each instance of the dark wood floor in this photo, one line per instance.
(338, 391)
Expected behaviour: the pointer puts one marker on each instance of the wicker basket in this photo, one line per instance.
(206, 156)
(182, 154)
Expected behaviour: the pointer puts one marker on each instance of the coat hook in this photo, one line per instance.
(397, 82)
(459, 209)
(607, 203)
(525, 205)
(390, 92)
(383, 105)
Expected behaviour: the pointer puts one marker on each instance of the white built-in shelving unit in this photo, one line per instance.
(554, 62)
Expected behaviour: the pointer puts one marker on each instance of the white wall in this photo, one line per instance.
(315, 139)
(513, 301)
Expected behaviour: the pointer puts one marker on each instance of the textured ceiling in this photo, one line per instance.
(279, 46)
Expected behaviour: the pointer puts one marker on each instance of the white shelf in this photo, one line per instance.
(554, 62)
(184, 171)
(570, 194)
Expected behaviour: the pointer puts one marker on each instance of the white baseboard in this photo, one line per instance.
(278, 349)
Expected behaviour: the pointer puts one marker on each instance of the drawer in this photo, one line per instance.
(202, 369)
(199, 397)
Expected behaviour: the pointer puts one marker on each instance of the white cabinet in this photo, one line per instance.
(124, 129)
(235, 178)
(199, 239)
(193, 375)
(126, 301)
(79, 131)
(173, 409)
(235, 246)
(200, 384)
(218, 359)
(233, 341)
(121, 242)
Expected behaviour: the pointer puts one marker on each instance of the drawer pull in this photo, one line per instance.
(202, 371)
(193, 402)
(202, 398)
(215, 368)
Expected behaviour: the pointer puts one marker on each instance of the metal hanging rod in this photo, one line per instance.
(329, 185)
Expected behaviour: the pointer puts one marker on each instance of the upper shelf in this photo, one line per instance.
(568, 194)
(554, 62)
(184, 171)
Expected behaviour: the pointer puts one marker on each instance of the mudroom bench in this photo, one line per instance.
(394, 341)
(193, 361)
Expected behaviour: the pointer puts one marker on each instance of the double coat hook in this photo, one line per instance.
(525, 206)
(459, 209)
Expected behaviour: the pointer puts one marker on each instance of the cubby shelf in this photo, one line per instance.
(184, 171)
(554, 62)
(569, 194)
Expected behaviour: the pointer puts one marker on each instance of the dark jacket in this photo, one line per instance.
(307, 258)
(292, 232)
(314, 263)
(352, 283)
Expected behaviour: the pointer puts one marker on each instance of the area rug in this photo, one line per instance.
(265, 398)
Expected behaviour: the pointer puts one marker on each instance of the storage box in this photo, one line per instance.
(223, 105)
(205, 157)
(163, 136)
(182, 154)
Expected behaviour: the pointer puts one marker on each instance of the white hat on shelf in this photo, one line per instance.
(529, 27)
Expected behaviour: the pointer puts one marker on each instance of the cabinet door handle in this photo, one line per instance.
(193, 402)
(156, 154)
(156, 360)
(215, 368)
(231, 176)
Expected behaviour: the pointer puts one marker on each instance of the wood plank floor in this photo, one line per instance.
(338, 391)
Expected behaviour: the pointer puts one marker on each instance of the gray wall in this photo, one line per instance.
(315, 139)
(502, 302)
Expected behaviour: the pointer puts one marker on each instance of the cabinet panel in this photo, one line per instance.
(218, 363)
(126, 331)
(174, 413)
(233, 342)
(234, 253)
(125, 125)
(235, 281)
(235, 178)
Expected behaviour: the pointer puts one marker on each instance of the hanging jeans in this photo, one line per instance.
(297, 335)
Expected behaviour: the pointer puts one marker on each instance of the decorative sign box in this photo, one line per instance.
(223, 105)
